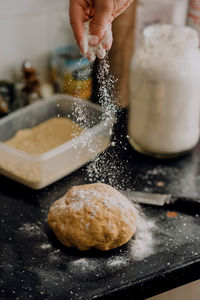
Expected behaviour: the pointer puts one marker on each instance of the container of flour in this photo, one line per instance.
(165, 92)
(38, 171)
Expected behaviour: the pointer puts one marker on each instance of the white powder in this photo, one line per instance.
(94, 51)
(107, 94)
(31, 229)
(45, 246)
(82, 194)
(81, 261)
(117, 261)
(83, 265)
(95, 198)
(87, 145)
(142, 245)
(103, 168)
(165, 102)
(107, 167)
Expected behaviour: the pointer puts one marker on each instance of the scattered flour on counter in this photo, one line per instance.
(142, 245)
(55, 256)
(98, 267)
(31, 229)
(84, 265)
(81, 262)
(45, 246)
(117, 261)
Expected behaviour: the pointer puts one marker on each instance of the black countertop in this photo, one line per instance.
(35, 265)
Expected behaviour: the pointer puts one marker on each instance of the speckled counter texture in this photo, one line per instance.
(34, 265)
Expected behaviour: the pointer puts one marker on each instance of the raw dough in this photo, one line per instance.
(94, 215)
(45, 136)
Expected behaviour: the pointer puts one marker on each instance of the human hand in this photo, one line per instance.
(101, 13)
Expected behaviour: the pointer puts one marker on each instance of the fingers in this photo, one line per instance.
(102, 12)
(102, 16)
(101, 53)
(91, 55)
(121, 6)
(107, 39)
(77, 18)
(106, 43)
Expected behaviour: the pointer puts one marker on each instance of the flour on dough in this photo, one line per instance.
(93, 215)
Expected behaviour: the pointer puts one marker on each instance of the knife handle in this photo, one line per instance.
(193, 202)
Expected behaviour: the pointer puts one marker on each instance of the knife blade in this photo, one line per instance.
(159, 199)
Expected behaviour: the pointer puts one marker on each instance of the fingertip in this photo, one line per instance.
(91, 56)
(97, 30)
(83, 45)
(81, 49)
(101, 53)
(108, 39)
(93, 40)
(106, 45)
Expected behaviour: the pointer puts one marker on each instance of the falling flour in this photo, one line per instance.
(107, 167)
(143, 243)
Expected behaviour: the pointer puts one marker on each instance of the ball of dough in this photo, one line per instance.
(94, 215)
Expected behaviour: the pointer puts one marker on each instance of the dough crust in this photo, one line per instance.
(94, 215)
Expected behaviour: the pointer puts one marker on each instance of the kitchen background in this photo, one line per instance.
(32, 30)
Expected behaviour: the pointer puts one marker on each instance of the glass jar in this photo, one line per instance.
(164, 107)
(71, 73)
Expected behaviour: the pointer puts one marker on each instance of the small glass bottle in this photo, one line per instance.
(164, 107)
(71, 73)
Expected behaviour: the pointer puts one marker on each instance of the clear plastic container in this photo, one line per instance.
(41, 170)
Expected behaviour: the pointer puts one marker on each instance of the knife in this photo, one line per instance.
(160, 199)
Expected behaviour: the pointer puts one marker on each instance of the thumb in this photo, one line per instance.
(102, 16)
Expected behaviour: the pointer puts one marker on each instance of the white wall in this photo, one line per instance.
(31, 29)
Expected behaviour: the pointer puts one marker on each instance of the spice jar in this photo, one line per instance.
(71, 73)
(30, 91)
(164, 106)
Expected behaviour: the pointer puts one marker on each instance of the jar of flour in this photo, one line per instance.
(164, 109)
